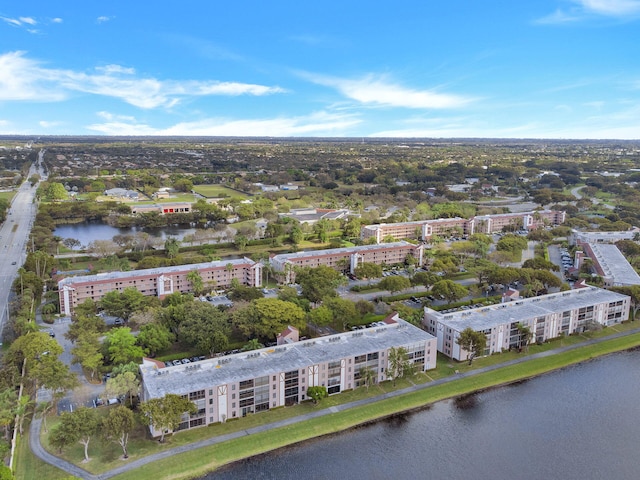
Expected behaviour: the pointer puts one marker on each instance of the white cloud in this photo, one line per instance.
(28, 20)
(116, 69)
(316, 124)
(612, 8)
(376, 90)
(12, 21)
(56, 20)
(22, 79)
(48, 124)
(103, 19)
(585, 9)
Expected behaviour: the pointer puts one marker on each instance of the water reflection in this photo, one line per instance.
(578, 423)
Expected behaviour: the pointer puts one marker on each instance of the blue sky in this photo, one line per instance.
(429, 68)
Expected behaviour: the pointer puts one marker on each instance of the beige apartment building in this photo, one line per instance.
(447, 227)
(548, 316)
(346, 259)
(157, 282)
(233, 386)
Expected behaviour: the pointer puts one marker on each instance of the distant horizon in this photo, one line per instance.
(355, 139)
(545, 69)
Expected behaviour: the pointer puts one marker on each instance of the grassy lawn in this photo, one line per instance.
(197, 462)
(29, 467)
(7, 195)
(216, 191)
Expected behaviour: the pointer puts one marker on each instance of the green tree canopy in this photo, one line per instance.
(319, 283)
(266, 317)
(166, 413)
(450, 290)
(317, 393)
(77, 426)
(394, 283)
(368, 270)
(117, 426)
(121, 346)
(472, 342)
(153, 338)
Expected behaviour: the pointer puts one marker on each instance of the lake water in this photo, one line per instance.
(582, 422)
(86, 232)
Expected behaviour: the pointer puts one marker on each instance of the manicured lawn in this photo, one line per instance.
(29, 467)
(216, 191)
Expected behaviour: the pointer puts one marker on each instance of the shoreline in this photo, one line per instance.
(197, 459)
(348, 416)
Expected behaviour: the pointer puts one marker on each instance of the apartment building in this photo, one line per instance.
(425, 229)
(603, 237)
(236, 385)
(609, 263)
(347, 258)
(548, 316)
(157, 282)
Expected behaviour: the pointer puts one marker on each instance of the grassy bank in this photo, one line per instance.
(197, 462)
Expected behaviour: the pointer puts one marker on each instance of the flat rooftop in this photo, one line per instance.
(416, 222)
(344, 250)
(484, 318)
(153, 271)
(206, 374)
(614, 265)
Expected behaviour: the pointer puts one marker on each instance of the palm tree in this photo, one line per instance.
(196, 281)
(368, 376)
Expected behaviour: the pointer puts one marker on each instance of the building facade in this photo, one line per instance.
(157, 282)
(447, 227)
(347, 258)
(547, 316)
(236, 385)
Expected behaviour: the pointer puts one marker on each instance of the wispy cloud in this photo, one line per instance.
(21, 22)
(585, 9)
(316, 124)
(103, 19)
(25, 79)
(56, 20)
(378, 90)
(614, 8)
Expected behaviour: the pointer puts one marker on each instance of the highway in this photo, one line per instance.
(14, 235)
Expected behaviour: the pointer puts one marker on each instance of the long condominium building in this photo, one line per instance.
(609, 263)
(425, 229)
(157, 282)
(547, 316)
(348, 258)
(235, 385)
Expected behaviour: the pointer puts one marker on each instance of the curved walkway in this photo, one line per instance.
(40, 452)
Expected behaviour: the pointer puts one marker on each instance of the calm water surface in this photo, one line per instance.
(579, 423)
(86, 232)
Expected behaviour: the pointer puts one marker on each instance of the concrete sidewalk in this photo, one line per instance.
(38, 450)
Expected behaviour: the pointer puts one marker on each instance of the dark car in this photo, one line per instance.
(52, 334)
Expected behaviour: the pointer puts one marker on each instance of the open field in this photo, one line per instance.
(215, 191)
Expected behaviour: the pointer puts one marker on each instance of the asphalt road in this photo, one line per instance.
(14, 235)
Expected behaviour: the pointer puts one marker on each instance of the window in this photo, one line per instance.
(196, 395)
(233, 396)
